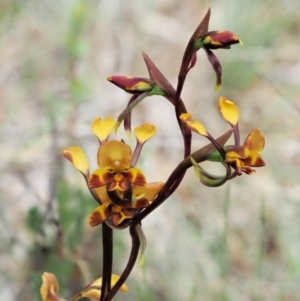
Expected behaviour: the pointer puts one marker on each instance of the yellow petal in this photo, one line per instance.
(186, 116)
(198, 127)
(115, 155)
(195, 126)
(114, 279)
(255, 141)
(148, 191)
(144, 132)
(255, 160)
(102, 195)
(97, 282)
(103, 128)
(78, 158)
(99, 215)
(49, 288)
(229, 110)
(94, 293)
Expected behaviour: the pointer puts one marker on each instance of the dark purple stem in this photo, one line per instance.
(236, 134)
(135, 242)
(107, 242)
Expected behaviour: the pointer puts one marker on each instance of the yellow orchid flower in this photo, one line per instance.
(242, 158)
(142, 196)
(114, 159)
(119, 187)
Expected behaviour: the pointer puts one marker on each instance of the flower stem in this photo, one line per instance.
(107, 241)
(135, 246)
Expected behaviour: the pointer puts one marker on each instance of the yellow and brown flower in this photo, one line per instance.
(222, 39)
(114, 160)
(240, 157)
(117, 208)
(119, 187)
(243, 157)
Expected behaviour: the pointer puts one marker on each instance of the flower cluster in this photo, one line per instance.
(118, 186)
(121, 189)
(238, 157)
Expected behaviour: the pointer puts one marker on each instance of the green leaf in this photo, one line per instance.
(143, 243)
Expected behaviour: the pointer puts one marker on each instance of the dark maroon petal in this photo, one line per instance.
(216, 65)
(159, 78)
(127, 118)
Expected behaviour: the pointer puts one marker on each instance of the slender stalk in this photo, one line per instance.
(236, 134)
(135, 246)
(107, 241)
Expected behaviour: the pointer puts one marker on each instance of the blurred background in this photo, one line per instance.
(240, 241)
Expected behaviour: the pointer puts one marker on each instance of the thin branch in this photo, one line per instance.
(135, 246)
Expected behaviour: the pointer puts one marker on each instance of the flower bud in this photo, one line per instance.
(193, 125)
(220, 39)
(134, 85)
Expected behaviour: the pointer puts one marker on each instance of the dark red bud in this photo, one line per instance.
(134, 85)
(220, 39)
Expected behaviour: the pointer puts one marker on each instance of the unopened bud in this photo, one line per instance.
(134, 85)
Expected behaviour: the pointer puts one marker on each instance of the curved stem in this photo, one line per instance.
(135, 246)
